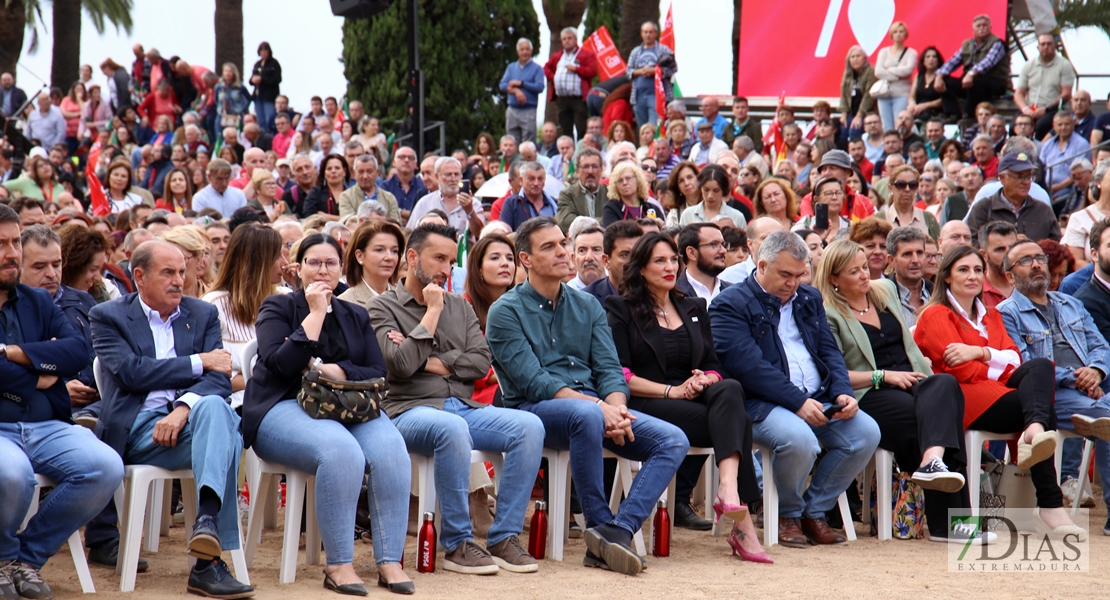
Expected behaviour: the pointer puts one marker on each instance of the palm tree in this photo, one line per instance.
(13, 21)
(561, 14)
(633, 14)
(229, 34)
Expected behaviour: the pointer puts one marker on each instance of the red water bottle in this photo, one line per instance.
(537, 533)
(426, 545)
(661, 530)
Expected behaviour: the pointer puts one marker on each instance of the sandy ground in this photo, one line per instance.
(700, 566)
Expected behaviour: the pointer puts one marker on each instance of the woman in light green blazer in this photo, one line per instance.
(919, 414)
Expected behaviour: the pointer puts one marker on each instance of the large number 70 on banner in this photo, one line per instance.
(800, 45)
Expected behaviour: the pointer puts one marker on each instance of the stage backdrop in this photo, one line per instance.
(799, 46)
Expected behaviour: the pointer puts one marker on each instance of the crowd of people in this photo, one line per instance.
(643, 286)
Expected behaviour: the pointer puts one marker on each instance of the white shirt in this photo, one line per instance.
(739, 272)
(162, 331)
(803, 369)
(1078, 231)
(226, 203)
(577, 283)
(457, 218)
(701, 290)
(1000, 359)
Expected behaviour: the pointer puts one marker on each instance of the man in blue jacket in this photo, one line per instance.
(165, 377)
(531, 201)
(523, 82)
(38, 351)
(771, 335)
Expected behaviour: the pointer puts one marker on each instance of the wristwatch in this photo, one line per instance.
(316, 362)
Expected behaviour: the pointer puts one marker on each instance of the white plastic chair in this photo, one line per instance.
(1084, 465)
(424, 474)
(879, 470)
(558, 497)
(76, 548)
(262, 480)
(771, 505)
(973, 445)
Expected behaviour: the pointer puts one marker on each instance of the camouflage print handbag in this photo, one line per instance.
(344, 401)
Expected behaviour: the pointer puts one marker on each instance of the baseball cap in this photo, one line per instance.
(1017, 162)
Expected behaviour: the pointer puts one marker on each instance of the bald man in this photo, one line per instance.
(253, 158)
(954, 233)
(758, 230)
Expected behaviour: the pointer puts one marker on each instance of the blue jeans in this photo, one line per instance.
(266, 112)
(889, 109)
(1068, 401)
(644, 109)
(330, 450)
(210, 444)
(87, 473)
(578, 426)
(795, 444)
(449, 435)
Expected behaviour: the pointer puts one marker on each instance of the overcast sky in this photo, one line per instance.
(308, 41)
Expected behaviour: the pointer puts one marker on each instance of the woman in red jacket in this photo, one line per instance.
(968, 340)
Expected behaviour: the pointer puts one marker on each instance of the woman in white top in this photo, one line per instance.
(1078, 233)
(117, 186)
(895, 65)
(373, 261)
(714, 187)
(252, 272)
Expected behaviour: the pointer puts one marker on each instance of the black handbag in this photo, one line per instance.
(348, 402)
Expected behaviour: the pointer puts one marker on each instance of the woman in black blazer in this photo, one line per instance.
(666, 348)
(310, 327)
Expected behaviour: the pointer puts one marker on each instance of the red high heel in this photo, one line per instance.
(758, 557)
(735, 512)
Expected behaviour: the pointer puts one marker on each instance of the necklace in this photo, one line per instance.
(861, 312)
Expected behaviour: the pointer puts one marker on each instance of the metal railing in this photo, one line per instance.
(442, 150)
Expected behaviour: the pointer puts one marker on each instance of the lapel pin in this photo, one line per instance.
(186, 326)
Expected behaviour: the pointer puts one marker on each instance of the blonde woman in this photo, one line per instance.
(195, 246)
(775, 199)
(855, 91)
(895, 65)
(628, 196)
(265, 192)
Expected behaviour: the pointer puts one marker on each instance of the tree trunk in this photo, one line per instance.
(67, 44)
(635, 13)
(229, 35)
(13, 22)
(736, 5)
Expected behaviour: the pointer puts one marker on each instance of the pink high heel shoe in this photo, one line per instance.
(759, 557)
(735, 512)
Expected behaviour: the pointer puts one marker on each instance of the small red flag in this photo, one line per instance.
(99, 202)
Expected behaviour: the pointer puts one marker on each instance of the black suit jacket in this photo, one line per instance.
(1096, 299)
(640, 345)
(601, 289)
(131, 370)
(284, 352)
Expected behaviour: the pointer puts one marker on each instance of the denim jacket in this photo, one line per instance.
(1030, 332)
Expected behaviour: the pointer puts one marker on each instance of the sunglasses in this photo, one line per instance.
(903, 185)
(650, 169)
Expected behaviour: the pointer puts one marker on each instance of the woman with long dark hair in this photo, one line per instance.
(491, 268)
(683, 184)
(253, 266)
(924, 100)
(714, 189)
(177, 196)
(330, 183)
(266, 79)
(961, 336)
(665, 345)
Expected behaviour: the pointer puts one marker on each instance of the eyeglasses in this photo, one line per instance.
(316, 263)
(715, 245)
(650, 169)
(832, 195)
(1025, 261)
(904, 185)
(1025, 176)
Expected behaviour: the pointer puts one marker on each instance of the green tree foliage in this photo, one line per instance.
(604, 12)
(465, 46)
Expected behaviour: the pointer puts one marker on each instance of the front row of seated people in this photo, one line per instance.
(652, 373)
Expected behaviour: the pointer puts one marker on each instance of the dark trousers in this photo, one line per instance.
(983, 89)
(1044, 124)
(929, 414)
(715, 419)
(1034, 384)
(572, 114)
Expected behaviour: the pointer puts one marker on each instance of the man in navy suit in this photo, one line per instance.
(617, 244)
(39, 350)
(771, 335)
(165, 377)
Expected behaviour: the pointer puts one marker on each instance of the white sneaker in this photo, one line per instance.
(1070, 487)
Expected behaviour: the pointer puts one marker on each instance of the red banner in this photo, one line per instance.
(609, 61)
(666, 37)
(800, 45)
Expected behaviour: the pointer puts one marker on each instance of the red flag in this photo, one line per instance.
(99, 201)
(666, 37)
(772, 140)
(660, 93)
(609, 61)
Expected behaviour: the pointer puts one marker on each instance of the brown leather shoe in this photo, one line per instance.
(790, 533)
(817, 531)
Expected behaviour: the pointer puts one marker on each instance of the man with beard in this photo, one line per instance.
(1056, 326)
(703, 248)
(166, 377)
(434, 350)
(585, 198)
(617, 243)
(995, 238)
(39, 350)
(905, 248)
(588, 252)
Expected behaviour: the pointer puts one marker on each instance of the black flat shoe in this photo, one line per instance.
(215, 581)
(106, 555)
(349, 589)
(404, 587)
